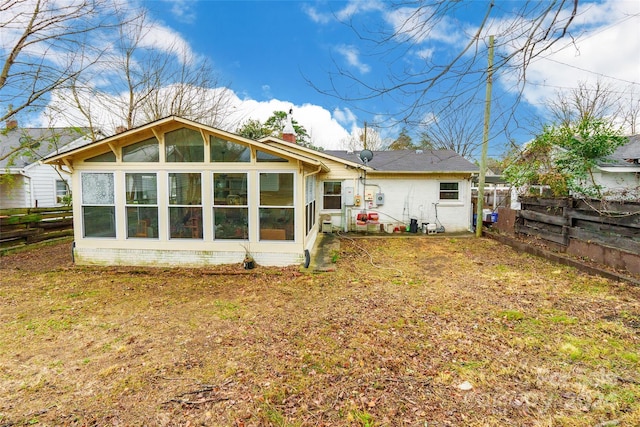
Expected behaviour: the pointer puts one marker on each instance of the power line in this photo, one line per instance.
(592, 72)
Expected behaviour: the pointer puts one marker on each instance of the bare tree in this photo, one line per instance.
(584, 102)
(147, 83)
(364, 138)
(523, 31)
(458, 127)
(598, 100)
(44, 45)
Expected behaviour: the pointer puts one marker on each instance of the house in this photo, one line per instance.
(619, 174)
(176, 192)
(24, 181)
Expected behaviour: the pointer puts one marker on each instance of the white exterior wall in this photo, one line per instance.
(619, 185)
(406, 197)
(37, 188)
(15, 194)
(178, 257)
(187, 252)
(43, 185)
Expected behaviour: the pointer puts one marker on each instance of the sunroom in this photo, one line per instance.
(175, 192)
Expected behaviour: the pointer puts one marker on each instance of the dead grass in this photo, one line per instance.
(383, 345)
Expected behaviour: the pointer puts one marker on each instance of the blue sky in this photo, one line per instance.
(267, 52)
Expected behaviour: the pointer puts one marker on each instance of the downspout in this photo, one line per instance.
(61, 170)
(305, 176)
(314, 172)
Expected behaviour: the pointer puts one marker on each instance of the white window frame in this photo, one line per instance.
(67, 191)
(84, 204)
(341, 195)
(449, 200)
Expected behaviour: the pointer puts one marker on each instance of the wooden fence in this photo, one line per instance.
(608, 233)
(19, 227)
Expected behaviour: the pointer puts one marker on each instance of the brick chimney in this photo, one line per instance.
(289, 133)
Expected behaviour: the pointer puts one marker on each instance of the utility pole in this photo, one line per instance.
(485, 141)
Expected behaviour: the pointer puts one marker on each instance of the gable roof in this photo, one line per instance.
(412, 161)
(63, 156)
(52, 141)
(625, 156)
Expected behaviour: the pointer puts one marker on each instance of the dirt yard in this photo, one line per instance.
(425, 331)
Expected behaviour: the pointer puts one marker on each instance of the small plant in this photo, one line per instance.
(335, 255)
(511, 315)
(363, 418)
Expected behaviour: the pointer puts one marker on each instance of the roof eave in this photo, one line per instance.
(59, 158)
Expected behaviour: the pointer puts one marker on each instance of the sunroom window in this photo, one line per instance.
(223, 151)
(107, 157)
(185, 206)
(263, 157)
(230, 209)
(310, 203)
(276, 210)
(98, 205)
(147, 151)
(184, 145)
(142, 205)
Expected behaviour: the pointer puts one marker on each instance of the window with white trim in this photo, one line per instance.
(142, 205)
(332, 195)
(98, 204)
(185, 206)
(449, 191)
(276, 211)
(310, 203)
(63, 195)
(230, 208)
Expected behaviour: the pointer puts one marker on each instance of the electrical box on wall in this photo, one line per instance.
(368, 195)
(380, 199)
(357, 200)
(348, 196)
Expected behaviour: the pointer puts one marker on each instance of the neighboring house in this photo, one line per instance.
(179, 193)
(24, 181)
(619, 174)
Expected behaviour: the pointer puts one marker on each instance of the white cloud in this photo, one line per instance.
(608, 51)
(326, 130)
(351, 9)
(420, 26)
(425, 53)
(315, 16)
(352, 56)
(183, 10)
(165, 39)
(344, 116)
(355, 7)
(266, 91)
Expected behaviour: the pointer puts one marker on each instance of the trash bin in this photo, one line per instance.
(413, 226)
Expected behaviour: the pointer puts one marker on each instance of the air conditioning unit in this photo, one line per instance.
(379, 199)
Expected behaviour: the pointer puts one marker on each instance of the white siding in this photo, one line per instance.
(15, 194)
(43, 185)
(407, 197)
